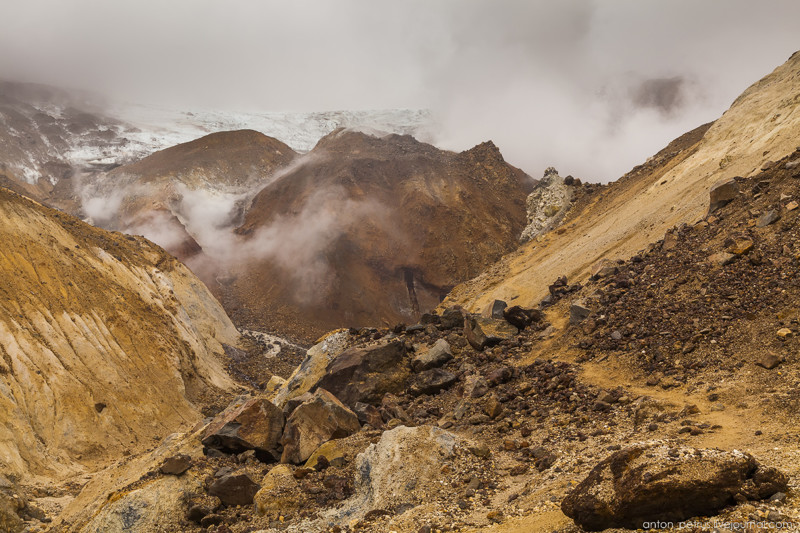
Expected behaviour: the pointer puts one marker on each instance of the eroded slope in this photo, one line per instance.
(106, 343)
(672, 188)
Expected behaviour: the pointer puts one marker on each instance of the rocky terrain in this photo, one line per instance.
(633, 366)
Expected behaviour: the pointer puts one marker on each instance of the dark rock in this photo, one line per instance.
(432, 381)
(520, 317)
(434, 356)
(197, 512)
(176, 465)
(474, 333)
(429, 318)
(295, 402)
(722, 193)
(495, 309)
(452, 317)
(247, 424)
(368, 414)
(365, 374)
(578, 312)
(234, 489)
(314, 423)
(500, 375)
(647, 483)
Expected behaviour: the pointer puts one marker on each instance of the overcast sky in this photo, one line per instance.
(591, 87)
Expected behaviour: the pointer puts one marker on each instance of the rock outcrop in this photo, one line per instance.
(652, 483)
(548, 204)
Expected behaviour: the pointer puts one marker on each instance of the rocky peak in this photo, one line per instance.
(548, 204)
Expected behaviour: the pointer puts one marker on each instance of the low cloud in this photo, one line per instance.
(589, 86)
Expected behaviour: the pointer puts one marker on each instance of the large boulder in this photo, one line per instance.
(315, 422)
(405, 465)
(247, 424)
(722, 193)
(307, 375)
(366, 373)
(657, 482)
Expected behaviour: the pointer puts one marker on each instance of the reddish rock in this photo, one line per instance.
(251, 424)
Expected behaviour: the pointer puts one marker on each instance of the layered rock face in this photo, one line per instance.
(106, 342)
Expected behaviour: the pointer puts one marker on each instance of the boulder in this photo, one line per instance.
(247, 424)
(176, 465)
(474, 333)
(722, 193)
(365, 374)
(740, 247)
(578, 312)
(332, 451)
(307, 375)
(604, 268)
(452, 317)
(657, 482)
(769, 361)
(404, 466)
(432, 357)
(495, 309)
(475, 386)
(432, 381)
(279, 493)
(315, 422)
(520, 317)
(721, 258)
(234, 489)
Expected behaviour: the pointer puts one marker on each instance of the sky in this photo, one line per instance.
(590, 87)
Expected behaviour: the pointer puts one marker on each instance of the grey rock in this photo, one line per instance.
(578, 312)
(435, 356)
(722, 193)
(432, 381)
(767, 218)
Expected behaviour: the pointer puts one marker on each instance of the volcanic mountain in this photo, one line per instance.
(369, 230)
(360, 230)
(183, 193)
